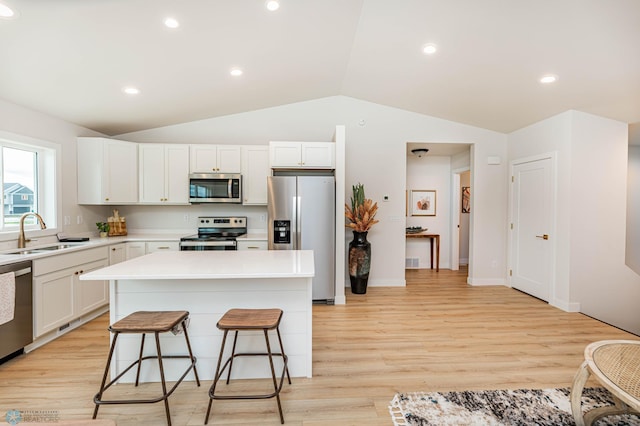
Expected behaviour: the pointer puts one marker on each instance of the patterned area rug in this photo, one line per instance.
(500, 408)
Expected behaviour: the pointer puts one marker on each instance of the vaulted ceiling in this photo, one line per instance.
(71, 58)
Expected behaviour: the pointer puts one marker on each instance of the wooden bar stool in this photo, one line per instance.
(250, 319)
(144, 322)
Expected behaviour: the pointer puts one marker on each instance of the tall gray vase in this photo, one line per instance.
(359, 262)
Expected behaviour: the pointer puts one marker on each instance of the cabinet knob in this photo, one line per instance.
(106, 199)
(113, 249)
(75, 273)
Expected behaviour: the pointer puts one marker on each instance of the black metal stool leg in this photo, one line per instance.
(164, 384)
(212, 389)
(284, 357)
(186, 338)
(140, 359)
(233, 352)
(273, 374)
(98, 396)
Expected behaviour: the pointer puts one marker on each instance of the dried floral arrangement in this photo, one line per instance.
(362, 212)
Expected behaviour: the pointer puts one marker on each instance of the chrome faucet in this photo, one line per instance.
(22, 241)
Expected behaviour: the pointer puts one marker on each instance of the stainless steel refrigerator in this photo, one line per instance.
(302, 217)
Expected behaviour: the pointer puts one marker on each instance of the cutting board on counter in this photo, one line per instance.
(117, 225)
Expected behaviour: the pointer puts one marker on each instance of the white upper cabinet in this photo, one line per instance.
(302, 155)
(215, 159)
(255, 169)
(164, 173)
(107, 171)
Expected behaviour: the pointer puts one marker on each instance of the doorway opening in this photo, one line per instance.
(433, 173)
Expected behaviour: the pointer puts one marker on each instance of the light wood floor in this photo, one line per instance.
(436, 334)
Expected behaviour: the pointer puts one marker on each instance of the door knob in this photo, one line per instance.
(544, 236)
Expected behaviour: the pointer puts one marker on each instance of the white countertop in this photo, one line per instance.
(6, 258)
(193, 265)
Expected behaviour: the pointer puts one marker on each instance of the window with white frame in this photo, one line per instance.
(28, 176)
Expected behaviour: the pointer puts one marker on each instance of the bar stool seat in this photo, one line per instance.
(250, 319)
(144, 322)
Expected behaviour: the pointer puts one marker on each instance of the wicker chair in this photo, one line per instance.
(616, 365)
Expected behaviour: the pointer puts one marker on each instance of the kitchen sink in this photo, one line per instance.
(45, 249)
(26, 251)
(56, 247)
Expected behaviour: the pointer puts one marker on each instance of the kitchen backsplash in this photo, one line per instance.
(179, 218)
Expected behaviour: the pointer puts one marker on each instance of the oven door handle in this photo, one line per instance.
(206, 243)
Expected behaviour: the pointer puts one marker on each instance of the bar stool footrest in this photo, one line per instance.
(98, 401)
(258, 396)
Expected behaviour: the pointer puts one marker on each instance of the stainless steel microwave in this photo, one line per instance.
(215, 188)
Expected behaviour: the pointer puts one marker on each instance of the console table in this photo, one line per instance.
(615, 363)
(432, 238)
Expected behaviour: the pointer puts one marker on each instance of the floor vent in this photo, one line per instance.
(412, 262)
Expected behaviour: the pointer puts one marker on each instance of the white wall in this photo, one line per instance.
(604, 286)
(633, 210)
(25, 122)
(590, 214)
(375, 156)
(430, 173)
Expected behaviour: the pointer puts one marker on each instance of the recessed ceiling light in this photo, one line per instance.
(130, 90)
(236, 72)
(549, 78)
(6, 12)
(171, 23)
(429, 49)
(273, 5)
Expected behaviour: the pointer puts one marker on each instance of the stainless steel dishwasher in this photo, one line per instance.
(18, 333)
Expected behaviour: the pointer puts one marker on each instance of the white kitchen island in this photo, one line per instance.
(207, 284)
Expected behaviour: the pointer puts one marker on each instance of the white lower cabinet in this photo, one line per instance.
(136, 249)
(59, 295)
(117, 253)
(252, 245)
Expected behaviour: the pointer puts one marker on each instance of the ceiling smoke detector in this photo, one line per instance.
(419, 152)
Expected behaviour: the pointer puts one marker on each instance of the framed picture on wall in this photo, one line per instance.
(423, 202)
(466, 199)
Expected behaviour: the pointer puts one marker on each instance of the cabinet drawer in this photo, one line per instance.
(153, 246)
(252, 245)
(68, 260)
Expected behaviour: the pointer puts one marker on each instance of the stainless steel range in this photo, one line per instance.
(215, 233)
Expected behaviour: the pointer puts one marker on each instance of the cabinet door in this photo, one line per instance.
(204, 158)
(121, 166)
(152, 173)
(54, 301)
(117, 253)
(255, 169)
(285, 154)
(318, 155)
(89, 295)
(136, 249)
(177, 174)
(229, 159)
(107, 171)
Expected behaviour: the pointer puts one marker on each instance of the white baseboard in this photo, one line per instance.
(565, 306)
(486, 281)
(340, 300)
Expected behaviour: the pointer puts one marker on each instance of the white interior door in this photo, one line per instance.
(532, 206)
